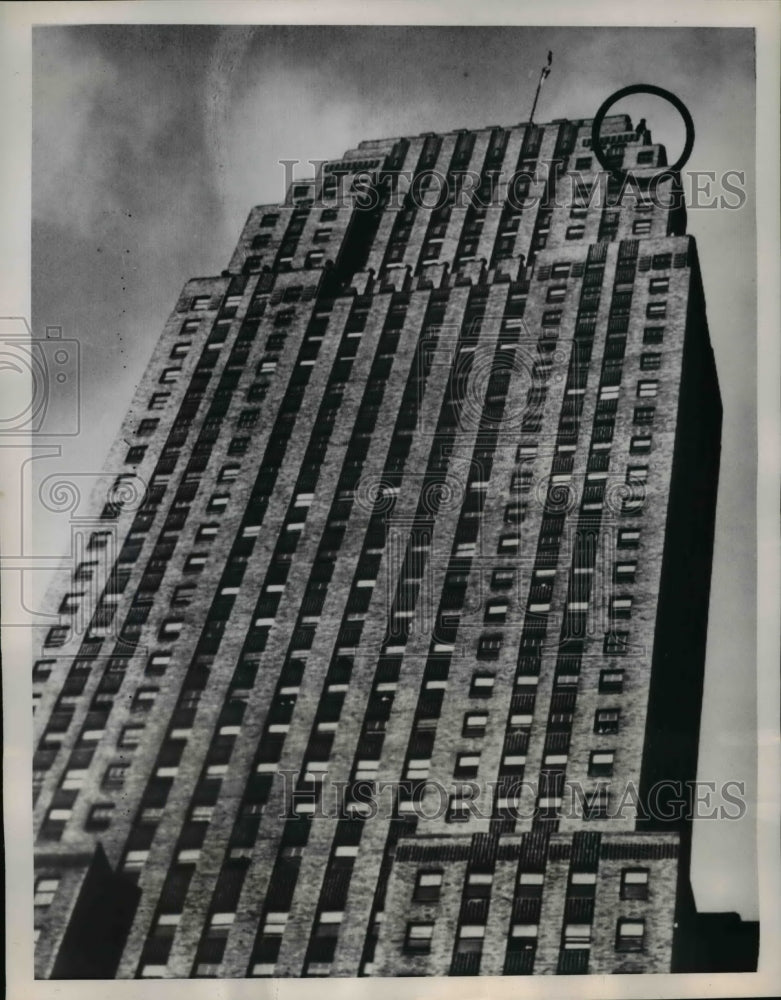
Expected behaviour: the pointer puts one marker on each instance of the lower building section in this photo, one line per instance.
(529, 904)
(97, 905)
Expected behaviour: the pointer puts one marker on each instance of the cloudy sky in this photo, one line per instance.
(150, 145)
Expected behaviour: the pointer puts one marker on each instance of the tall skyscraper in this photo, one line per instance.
(384, 652)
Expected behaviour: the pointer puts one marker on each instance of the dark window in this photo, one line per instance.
(606, 721)
(616, 643)
(644, 414)
(418, 937)
(475, 724)
(482, 685)
(100, 816)
(502, 579)
(600, 764)
(489, 647)
(630, 935)
(650, 362)
(653, 335)
(634, 883)
(57, 636)
(611, 681)
(467, 765)
(428, 887)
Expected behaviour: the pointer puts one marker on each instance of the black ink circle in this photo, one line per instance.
(642, 88)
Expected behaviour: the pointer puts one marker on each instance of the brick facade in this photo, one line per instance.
(395, 506)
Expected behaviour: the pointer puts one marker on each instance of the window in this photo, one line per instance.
(147, 427)
(628, 538)
(656, 310)
(611, 681)
(489, 647)
(144, 699)
(182, 595)
(70, 603)
(645, 156)
(653, 335)
(634, 883)
(606, 721)
(600, 764)
(583, 163)
(206, 532)
(180, 349)
(621, 607)
(42, 669)
(428, 887)
(530, 885)
(457, 809)
(100, 816)
(269, 220)
(650, 361)
(616, 643)
(228, 473)
(630, 935)
(418, 937)
(218, 502)
(478, 885)
(658, 285)
(158, 400)
(57, 636)
(467, 765)
(577, 935)
(45, 890)
(85, 570)
(238, 445)
(644, 414)
(475, 724)
(170, 629)
(575, 232)
(170, 375)
(556, 293)
(200, 303)
(552, 317)
(195, 563)
(582, 884)
(157, 664)
(624, 572)
(131, 736)
(135, 454)
(640, 444)
(496, 611)
(641, 227)
(114, 776)
(647, 388)
(502, 579)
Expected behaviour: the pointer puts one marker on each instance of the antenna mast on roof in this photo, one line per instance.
(544, 74)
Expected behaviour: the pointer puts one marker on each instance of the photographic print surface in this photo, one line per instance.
(408, 626)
